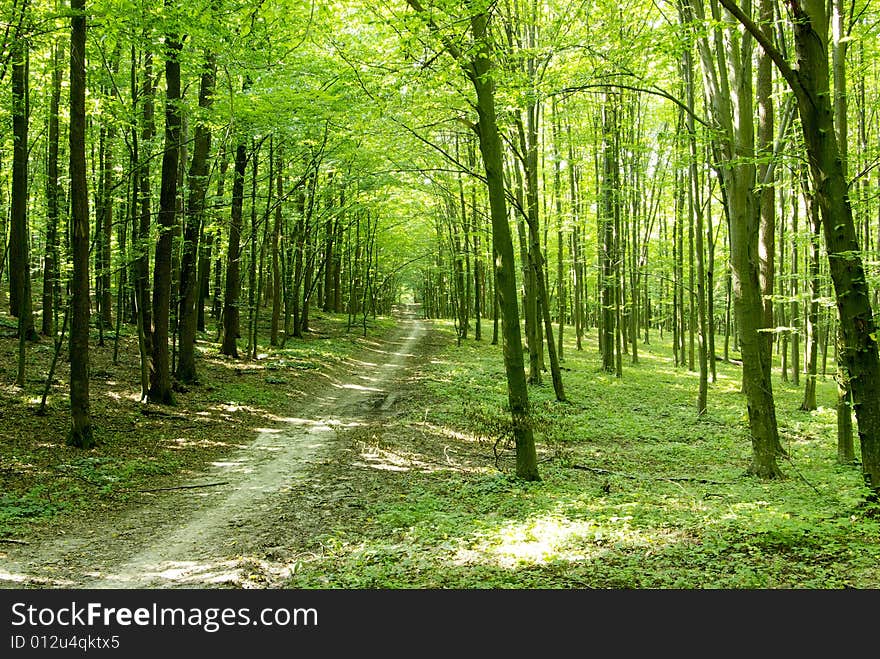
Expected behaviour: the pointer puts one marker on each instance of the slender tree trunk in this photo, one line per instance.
(477, 66)
(197, 180)
(277, 283)
(478, 69)
(562, 293)
(80, 434)
(105, 226)
(337, 256)
(764, 152)
(809, 403)
(53, 194)
(308, 254)
(329, 248)
(577, 268)
(478, 275)
(710, 290)
(19, 239)
(529, 297)
(253, 301)
(696, 212)
(262, 250)
(210, 237)
(142, 239)
(555, 371)
(232, 289)
(160, 373)
(608, 252)
(727, 77)
(795, 319)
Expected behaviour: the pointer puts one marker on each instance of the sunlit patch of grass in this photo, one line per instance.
(544, 539)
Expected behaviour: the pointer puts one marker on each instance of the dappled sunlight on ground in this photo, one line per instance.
(357, 387)
(376, 457)
(202, 442)
(444, 431)
(544, 539)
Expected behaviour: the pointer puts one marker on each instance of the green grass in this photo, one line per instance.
(636, 490)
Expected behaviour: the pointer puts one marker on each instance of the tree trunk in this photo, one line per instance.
(478, 69)
(561, 290)
(53, 196)
(80, 434)
(104, 226)
(20, 303)
(764, 152)
(607, 244)
(211, 237)
(197, 179)
(160, 373)
(810, 83)
(253, 301)
(809, 403)
(795, 320)
(262, 250)
(232, 289)
(142, 238)
(277, 283)
(728, 82)
(696, 213)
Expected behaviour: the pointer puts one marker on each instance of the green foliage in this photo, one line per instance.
(636, 491)
(18, 509)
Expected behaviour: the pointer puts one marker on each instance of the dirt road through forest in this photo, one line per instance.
(212, 536)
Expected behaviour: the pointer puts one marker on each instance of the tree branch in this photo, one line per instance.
(645, 90)
(791, 76)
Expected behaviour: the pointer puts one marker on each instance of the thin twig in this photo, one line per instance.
(13, 541)
(65, 472)
(596, 470)
(801, 476)
(180, 487)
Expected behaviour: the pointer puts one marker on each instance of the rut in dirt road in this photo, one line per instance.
(186, 538)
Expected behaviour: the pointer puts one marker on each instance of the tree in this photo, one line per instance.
(477, 65)
(727, 78)
(53, 197)
(80, 434)
(19, 240)
(810, 84)
(232, 289)
(195, 208)
(160, 372)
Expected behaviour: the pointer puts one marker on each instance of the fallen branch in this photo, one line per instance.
(180, 487)
(13, 541)
(149, 411)
(73, 474)
(597, 470)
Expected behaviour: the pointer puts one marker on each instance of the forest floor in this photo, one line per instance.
(344, 461)
(212, 491)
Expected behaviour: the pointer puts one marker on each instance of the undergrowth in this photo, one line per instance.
(636, 490)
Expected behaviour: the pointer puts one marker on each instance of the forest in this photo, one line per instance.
(429, 294)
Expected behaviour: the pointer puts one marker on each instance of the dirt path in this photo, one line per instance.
(203, 537)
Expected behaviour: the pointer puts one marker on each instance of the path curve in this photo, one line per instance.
(188, 537)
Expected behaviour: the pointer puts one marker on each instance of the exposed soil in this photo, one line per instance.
(243, 520)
